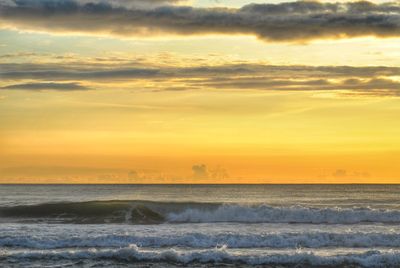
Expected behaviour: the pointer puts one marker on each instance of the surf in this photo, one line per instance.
(153, 212)
(203, 240)
(218, 255)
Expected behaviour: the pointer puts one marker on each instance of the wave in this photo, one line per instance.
(294, 214)
(201, 240)
(89, 212)
(373, 258)
(147, 212)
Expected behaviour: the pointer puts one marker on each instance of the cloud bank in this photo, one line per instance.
(379, 80)
(293, 21)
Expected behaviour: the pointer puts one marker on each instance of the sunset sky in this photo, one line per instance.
(168, 91)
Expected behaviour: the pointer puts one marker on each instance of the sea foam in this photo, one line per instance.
(371, 258)
(201, 240)
(294, 214)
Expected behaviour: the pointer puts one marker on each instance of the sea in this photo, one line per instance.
(200, 226)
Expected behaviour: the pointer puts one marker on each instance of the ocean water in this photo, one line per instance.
(199, 225)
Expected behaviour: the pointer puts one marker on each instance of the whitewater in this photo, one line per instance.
(200, 226)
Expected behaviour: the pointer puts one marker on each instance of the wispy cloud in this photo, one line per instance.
(46, 86)
(293, 21)
(224, 72)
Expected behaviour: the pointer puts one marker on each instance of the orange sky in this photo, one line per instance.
(220, 106)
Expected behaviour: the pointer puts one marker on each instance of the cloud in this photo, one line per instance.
(219, 173)
(46, 86)
(133, 174)
(340, 173)
(213, 74)
(343, 173)
(200, 171)
(131, 3)
(377, 81)
(59, 72)
(56, 170)
(372, 85)
(292, 21)
(75, 3)
(18, 55)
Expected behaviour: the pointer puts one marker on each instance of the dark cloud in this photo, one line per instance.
(46, 86)
(294, 21)
(75, 3)
(131, 3)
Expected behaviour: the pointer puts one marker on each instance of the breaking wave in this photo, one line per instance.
(147, 212)
(372, 258)
(202, 240)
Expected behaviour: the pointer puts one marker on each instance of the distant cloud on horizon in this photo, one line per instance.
(200, 171)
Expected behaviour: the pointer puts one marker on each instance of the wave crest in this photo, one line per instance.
(294, 214)
(146, 212)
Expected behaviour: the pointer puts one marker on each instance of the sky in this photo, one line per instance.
(202, 91)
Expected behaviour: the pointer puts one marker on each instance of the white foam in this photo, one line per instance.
(373, 258)
(202, 240)
(294, 214)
